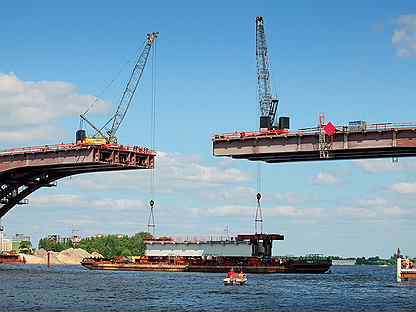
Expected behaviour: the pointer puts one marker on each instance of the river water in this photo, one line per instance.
(71, 288)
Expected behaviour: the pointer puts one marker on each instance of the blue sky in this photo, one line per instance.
(354, 61)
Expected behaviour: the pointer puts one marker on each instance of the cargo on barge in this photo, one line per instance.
(172, 258)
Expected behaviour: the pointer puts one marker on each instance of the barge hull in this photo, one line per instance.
(311, 269)
(11, 259)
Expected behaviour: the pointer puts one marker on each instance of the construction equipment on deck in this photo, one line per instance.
(102, 136)
(268, 102)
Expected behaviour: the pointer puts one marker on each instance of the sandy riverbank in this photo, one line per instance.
(71, 256)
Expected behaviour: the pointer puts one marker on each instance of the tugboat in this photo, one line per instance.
(171, 257)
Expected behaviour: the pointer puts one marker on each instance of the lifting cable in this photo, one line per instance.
(151, 221)
(258, 222)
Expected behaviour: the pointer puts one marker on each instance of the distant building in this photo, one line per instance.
(21, 238)
(58, 239)
(75, 239)
(6, 245)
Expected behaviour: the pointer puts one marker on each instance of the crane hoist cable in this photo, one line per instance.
(151, 226)
(258, 221)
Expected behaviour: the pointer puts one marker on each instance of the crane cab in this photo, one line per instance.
(81, 138)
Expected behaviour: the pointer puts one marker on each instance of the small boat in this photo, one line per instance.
(234, 281)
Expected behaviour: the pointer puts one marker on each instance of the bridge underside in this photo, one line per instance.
(300, 146)
(333, 155)
(24, 171)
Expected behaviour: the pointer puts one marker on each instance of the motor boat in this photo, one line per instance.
(234, 281)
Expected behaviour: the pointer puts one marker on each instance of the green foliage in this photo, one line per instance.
(111, 246)
(373, 261)
(50, 245)
(25, 247)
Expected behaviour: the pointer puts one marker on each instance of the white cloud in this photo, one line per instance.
(32, 110)
(325, 178)
(378, 165)
(174, 173)
(232, 195)
(404, 188)
(371, 202)
(295, 212)
(28, 134)
(244, 211)
(404, 36)
(77, 201)
(59, 200)
(373, 213)
(190, 170)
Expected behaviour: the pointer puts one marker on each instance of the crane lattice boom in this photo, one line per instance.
(131, 87)
(268, 103)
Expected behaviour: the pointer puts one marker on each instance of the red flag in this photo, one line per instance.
(330, 129)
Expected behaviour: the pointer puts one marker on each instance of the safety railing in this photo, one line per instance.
(315, 130)
(72, 146)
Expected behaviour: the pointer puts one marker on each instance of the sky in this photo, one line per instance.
(352, 61)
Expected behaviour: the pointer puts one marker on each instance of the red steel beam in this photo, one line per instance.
(304, 146)
(25, 170)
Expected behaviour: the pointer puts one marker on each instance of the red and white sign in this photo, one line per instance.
(330, 129)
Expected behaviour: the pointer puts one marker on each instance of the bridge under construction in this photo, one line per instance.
(346, 142)
(275, 142)
(25, 170)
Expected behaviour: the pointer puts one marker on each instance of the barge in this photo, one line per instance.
(169, 257)
(11, 258)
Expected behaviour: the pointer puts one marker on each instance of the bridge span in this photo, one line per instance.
(25, 170)
(371, 141)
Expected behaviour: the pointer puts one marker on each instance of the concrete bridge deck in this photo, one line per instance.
(375, 141)
(24, 170)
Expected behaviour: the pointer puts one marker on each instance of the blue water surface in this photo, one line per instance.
(73, 288)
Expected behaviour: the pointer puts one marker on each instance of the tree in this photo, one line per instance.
(25, 247)
(111, 246)
(50, 245)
